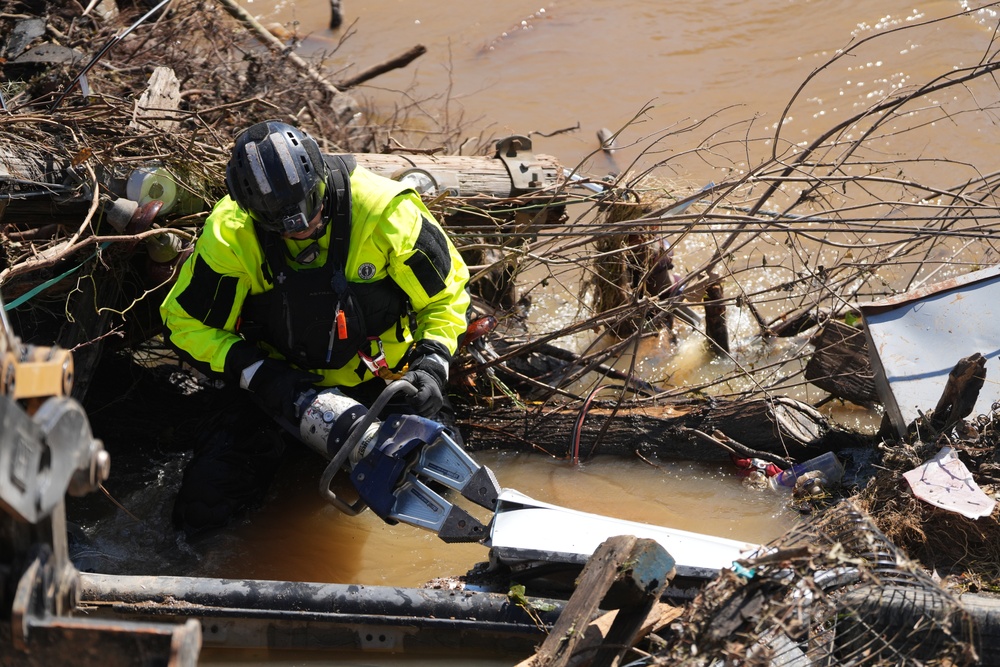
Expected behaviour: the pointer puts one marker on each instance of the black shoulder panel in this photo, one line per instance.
(209, 296)
(341, 159)
(431, 263)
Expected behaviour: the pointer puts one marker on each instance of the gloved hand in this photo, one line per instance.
(428, 372)
(429, 398)
(277, 385)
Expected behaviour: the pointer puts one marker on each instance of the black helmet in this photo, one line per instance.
(277, 175)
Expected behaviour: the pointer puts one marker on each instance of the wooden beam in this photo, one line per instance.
(625, 572)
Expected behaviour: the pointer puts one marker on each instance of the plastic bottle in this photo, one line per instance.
(828, 464)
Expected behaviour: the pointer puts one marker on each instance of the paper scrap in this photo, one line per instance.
(945, 482)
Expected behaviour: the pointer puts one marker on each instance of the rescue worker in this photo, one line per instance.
(313, 272)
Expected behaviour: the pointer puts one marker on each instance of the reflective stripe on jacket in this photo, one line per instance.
(393, 235)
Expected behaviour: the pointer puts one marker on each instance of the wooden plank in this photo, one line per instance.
(661, 615)
(157, 106)
(624, 570)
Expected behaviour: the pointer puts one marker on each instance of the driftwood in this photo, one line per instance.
(625, 573)
(398, 62)
(780, 426)
(840, 364)
(960, 393)
(343, 106)
(158, 104)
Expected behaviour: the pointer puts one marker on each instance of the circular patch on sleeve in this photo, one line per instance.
(366, 271)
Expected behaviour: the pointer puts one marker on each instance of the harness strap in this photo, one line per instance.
(340, 167)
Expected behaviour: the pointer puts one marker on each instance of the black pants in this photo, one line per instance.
(236, 453)
(239, 449)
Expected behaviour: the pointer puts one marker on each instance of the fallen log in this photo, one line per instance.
(779, 426)
(37, 185)
(482, 178)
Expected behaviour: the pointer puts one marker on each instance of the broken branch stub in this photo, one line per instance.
(960, 393)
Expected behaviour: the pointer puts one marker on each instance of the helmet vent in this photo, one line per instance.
(257, 168)
(285, 158)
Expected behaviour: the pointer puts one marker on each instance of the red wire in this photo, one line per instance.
(578, 426)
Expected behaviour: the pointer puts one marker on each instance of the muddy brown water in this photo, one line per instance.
(519, 66)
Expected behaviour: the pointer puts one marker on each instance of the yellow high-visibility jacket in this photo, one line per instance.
(393, 239)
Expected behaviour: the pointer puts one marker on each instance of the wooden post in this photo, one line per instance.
(336, 14)
(473, 176)
(715, 318)
(626, 573)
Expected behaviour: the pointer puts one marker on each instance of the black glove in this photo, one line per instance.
(428, 399)
(277, 386)
(428, 372)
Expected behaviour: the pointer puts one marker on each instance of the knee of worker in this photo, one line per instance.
(234, 462)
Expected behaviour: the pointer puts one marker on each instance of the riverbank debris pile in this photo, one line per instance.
(964, 550)
(833, 590)
(114, 134)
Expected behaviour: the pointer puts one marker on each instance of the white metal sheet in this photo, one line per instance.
(916, 339)
(537, 530)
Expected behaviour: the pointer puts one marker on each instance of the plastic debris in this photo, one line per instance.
(945, 482)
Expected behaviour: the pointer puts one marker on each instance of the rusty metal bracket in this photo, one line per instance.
(43, 634)
(515, 152)
(28, 371)
(46, 451)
